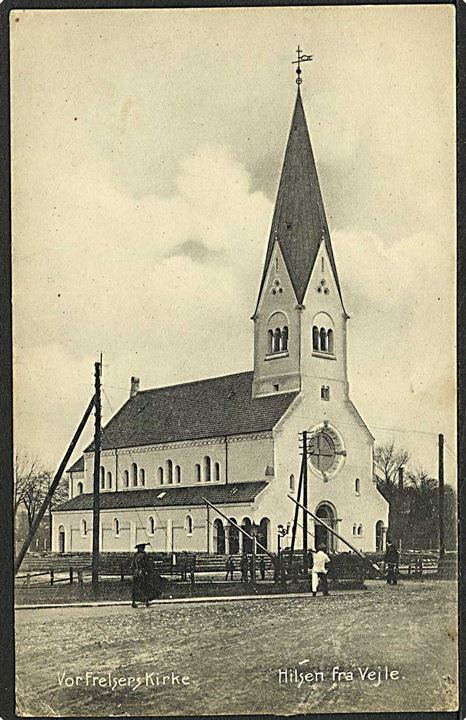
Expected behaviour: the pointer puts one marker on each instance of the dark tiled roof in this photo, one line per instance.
(78, 465)
(168, 496)
(299, 221)
(205, 408)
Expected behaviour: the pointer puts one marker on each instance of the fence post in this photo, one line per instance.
(28, 579)
(122, 572)
(71, 575)
(80, 578)
(51, 576)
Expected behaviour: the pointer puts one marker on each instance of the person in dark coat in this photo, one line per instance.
(229, 567)
(262, 567)
(143, 589)
(391, 562)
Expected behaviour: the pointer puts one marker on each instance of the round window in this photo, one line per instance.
(322, 451)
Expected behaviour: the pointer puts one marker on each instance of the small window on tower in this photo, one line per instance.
(289, 226)
(276, 387)
(276, 264)
(323, 261)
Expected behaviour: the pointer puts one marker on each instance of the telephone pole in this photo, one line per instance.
(441, 496)
(305, 488)
(96, 495)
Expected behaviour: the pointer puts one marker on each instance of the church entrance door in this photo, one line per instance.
(219, 537)
(233, 538)
(321, 534)
(61, 539)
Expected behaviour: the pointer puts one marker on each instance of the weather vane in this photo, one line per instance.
(301, 58)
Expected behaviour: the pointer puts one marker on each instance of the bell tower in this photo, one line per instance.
(299, 253)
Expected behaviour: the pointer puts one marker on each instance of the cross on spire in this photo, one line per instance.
(301, 58)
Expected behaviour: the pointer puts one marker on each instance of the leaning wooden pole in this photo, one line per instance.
(53, 487)
(340, 537)
(96, 494)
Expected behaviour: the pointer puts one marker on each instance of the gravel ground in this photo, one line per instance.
(230, 655)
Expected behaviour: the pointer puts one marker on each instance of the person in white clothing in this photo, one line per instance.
(319, 571)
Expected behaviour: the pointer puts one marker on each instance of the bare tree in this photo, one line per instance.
(32, 482)
(25, 472)
(389, 460)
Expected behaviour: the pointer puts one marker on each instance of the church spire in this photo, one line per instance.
(299, 224)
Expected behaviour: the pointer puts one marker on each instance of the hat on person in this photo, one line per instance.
(141, 545)
(322, 546)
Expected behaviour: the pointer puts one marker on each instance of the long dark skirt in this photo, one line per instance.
(147, 587)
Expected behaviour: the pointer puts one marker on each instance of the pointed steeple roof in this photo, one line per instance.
(299, 223)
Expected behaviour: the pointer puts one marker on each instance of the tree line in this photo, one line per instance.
(31, 481)
(413, 497)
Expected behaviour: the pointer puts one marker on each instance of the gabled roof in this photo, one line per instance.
(163, 496)
(78, 466)
(204, 408)
(299, 224)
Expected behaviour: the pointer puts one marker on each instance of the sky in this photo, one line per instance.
(146, 153)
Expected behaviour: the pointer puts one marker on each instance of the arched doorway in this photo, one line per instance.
(263, 534)
(233, 537)
(219, 537)
(247, 543)
(379, 530)
(61, 539)
(321, 535)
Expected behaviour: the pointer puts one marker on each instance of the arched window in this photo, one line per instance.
(109, 480)
(359, 529)
(207, 469)
(217, 472)
(169, 469)
(150, 525)
(354, 529)
(102, 478)
(160, 475)
(177, 474)
(285, 338)
(357, 486)
(80, 488)
(330, 341)
(379, 532)
(116, 526)
(323, 340)
(277, 340)
(189, 525)
(323, 334)
(126, 478)
(134, 474)
(197, 472)
(83, 527)
(269, 342)
(292, 483)
(142, 477)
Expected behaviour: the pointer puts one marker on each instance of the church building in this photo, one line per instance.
(234, 440)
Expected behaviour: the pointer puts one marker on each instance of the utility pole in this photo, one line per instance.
(96, 495)
(441, 496)
(305, 548)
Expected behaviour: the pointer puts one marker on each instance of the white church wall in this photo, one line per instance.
(172, 532)
(276, 301)
(242, 458)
